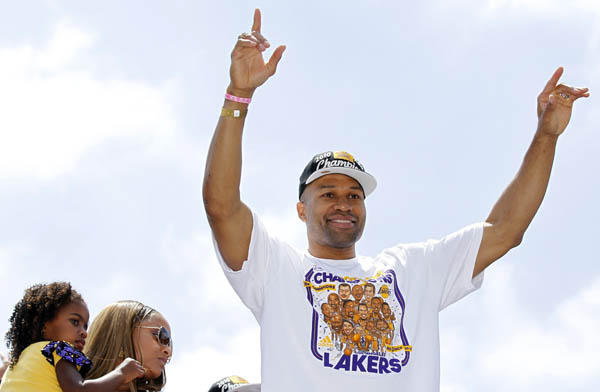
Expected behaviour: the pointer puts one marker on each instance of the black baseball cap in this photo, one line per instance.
(336, 162)
(234, 383)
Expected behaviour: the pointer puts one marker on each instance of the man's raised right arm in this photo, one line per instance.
(229, 218)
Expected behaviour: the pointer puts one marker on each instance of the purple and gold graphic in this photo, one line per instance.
(357, 323)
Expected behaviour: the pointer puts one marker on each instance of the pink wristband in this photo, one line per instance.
(233, 98)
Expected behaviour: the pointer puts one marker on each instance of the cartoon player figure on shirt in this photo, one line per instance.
(347, 346)
(389, 317)
(384, 335)
(348, 309)
(369, 293)
(370, 341)
(327, 312)
(344, 291)
(363, 315)
(334, 301)
(336, 327)
(357, 294)
(376, 303)
(327, 316)
(361, 325)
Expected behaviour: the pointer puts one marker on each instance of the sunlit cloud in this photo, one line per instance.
(228, 343)
(237, 355)
(519, 351)
(548, 7)
(563, 346)
(55, 108)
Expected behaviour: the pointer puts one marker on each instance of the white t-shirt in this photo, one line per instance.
(314, 339)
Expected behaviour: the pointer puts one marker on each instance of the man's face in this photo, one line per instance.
(348, 310)
(357, 292)
(336, 322)
(376, 304)
(369, 292)
(334, 301)
(326, 309)
(385, 309)
(347, 328)
(333, 209)
(344, 292)
(370, 326)
(363, 312)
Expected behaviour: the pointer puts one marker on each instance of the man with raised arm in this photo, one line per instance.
(285, 289)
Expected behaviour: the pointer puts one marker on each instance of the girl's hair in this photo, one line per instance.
(40, 304)
(110, 338)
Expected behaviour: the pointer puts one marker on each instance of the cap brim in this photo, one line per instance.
(366, 181)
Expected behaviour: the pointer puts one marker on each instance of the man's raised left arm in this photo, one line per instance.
(518, 204)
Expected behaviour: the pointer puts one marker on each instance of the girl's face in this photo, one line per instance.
(148, 350)
(70, 324)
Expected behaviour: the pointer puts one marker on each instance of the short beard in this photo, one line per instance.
(339, 240)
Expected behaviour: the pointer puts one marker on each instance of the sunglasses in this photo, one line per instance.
(161, 334)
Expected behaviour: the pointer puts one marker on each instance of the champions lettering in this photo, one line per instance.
(326, 277)
(364, 363)
(337, 163)
(227, 385)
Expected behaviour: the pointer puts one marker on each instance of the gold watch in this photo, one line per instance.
(236, 113)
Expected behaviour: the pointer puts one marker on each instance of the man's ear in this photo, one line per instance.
(301, 208)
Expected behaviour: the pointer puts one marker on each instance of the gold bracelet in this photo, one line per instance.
(236, 113)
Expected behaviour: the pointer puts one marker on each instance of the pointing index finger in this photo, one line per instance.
(256, 24)
(553, 81)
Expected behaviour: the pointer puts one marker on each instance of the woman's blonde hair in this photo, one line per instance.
(110, 337)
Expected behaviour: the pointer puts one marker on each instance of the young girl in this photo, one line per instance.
(48, 329)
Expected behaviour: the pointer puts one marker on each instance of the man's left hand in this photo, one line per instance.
(555, 104)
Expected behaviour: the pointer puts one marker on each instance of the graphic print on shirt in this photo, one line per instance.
(357, 323)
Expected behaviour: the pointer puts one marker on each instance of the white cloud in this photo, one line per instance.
(519, 351)
(237, 355)
(62, 49)
(194, 257)
(227, 338)
(193, 263)
(556, 7)
(55, 109)
(184, 255)
(562, 346)
(14, 273)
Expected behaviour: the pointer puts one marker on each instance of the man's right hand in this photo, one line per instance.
(248, 69)
(229, 218)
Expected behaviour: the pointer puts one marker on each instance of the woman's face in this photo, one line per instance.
(148, 350)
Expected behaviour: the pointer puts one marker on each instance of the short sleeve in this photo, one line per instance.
(452, 264)
(249, 281)
(59, 350)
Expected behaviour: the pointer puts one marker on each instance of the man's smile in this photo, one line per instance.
(341, 221)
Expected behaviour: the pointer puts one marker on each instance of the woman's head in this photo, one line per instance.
(129, 329)
(53, 311)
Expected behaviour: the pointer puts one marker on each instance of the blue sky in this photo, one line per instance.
(107, 110)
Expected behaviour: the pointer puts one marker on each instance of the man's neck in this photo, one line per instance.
(328, 252)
